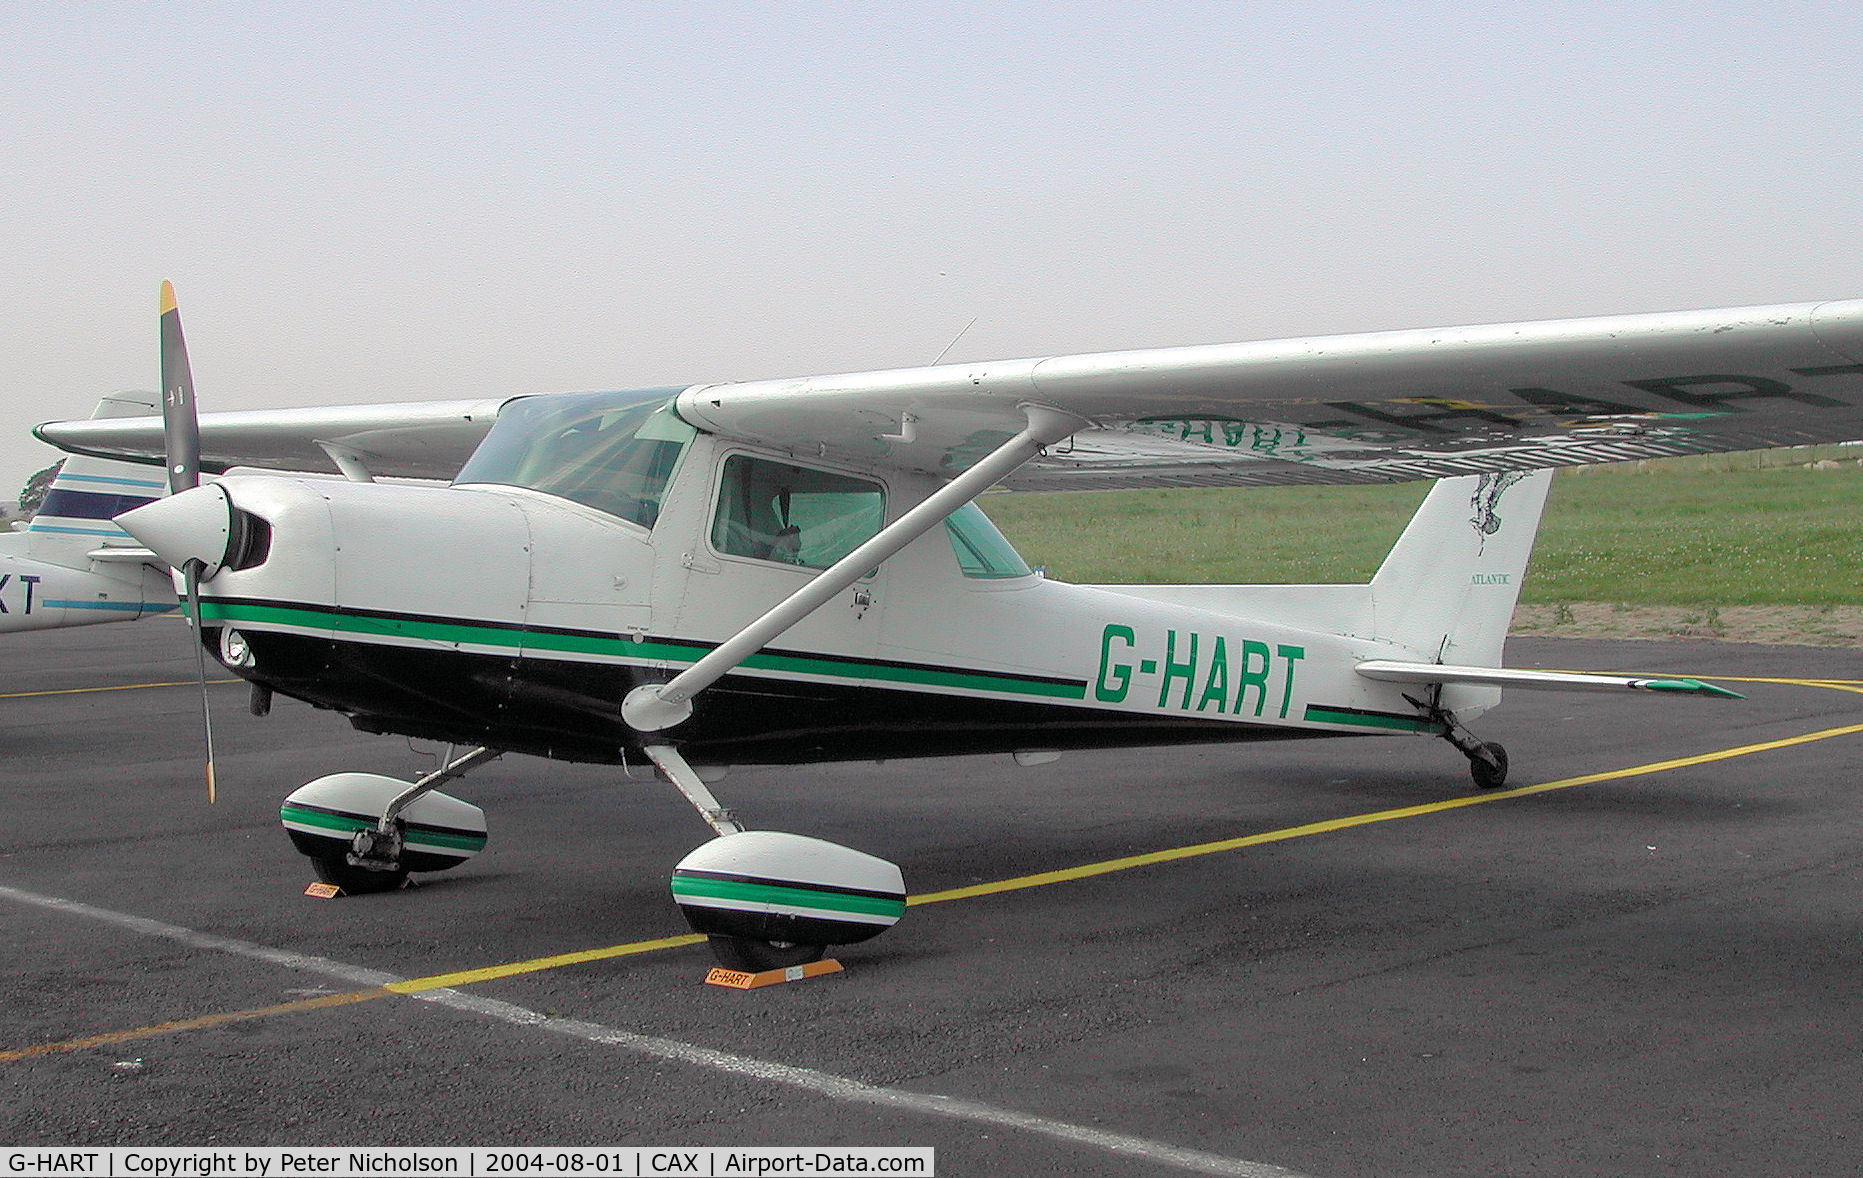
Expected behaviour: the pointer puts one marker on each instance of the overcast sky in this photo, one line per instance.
(382, 201)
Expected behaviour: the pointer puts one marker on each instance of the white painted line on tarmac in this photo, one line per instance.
(353, 974)
(824, 1084)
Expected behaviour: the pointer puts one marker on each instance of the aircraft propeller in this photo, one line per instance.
(181, 439)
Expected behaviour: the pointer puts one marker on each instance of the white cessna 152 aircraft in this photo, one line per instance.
(795, 570)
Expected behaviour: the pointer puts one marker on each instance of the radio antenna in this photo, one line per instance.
(955, 338)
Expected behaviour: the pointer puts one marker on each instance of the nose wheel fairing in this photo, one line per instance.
(336, 822)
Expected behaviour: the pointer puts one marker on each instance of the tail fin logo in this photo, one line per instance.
(1487, 498)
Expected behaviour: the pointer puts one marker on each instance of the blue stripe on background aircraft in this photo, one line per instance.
(796, 570)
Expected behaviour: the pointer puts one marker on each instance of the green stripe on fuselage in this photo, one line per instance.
(622, 649)
(1320, 714)
(452, 632)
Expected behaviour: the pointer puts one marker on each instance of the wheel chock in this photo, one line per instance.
(737, 979)
(324, 891)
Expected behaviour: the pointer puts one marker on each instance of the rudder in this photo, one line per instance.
(1448, 588)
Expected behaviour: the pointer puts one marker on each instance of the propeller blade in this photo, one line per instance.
(181, 430)
(191, 572)
(181, 439)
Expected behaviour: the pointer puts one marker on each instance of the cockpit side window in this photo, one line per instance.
(792, 515)
(615, 452)
(982, 552)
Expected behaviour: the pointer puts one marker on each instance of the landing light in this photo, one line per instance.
(235, 651)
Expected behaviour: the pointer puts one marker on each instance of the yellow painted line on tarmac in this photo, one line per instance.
(1792, 682)
(444, 981)
(1851, 685)
(467, 977)
(1040, 879)
(321, 1002)
(117, 687)
(1129, 862)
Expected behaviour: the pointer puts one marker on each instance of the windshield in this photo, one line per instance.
(614, 452)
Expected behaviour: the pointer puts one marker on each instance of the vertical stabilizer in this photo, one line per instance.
(72, 566)
(1447, 590)
(89, 492)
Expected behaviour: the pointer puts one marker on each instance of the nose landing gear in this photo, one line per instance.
(364, 832)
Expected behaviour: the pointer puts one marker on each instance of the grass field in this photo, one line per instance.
(1719, 531)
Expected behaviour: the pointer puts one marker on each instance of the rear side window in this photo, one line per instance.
(792, 515)
(982, 551)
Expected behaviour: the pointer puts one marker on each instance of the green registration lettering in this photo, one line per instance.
(1290, 655)
(1176, 670)
(1185, 677)
(1253, 674)
(1216, 686)
(1115, 678)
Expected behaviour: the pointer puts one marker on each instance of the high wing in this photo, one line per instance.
(1380, 407)
(1376, 407)
(429, 439)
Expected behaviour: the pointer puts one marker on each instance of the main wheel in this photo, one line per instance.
(357, 881)
(1488, 775)
(748, 956)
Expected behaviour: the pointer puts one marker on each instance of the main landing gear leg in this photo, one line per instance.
(768, 900)
(687, 781)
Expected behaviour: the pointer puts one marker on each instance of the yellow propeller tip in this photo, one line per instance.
(168, 296)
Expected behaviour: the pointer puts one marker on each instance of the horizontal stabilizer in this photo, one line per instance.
(1388, 671)
(124, 554)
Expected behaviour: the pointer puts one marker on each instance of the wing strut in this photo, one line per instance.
(686, 779)
(655, 706)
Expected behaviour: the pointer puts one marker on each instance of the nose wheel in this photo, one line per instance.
(357, 881)
(365, 832)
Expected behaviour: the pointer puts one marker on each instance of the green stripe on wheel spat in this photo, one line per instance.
(781, 895)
